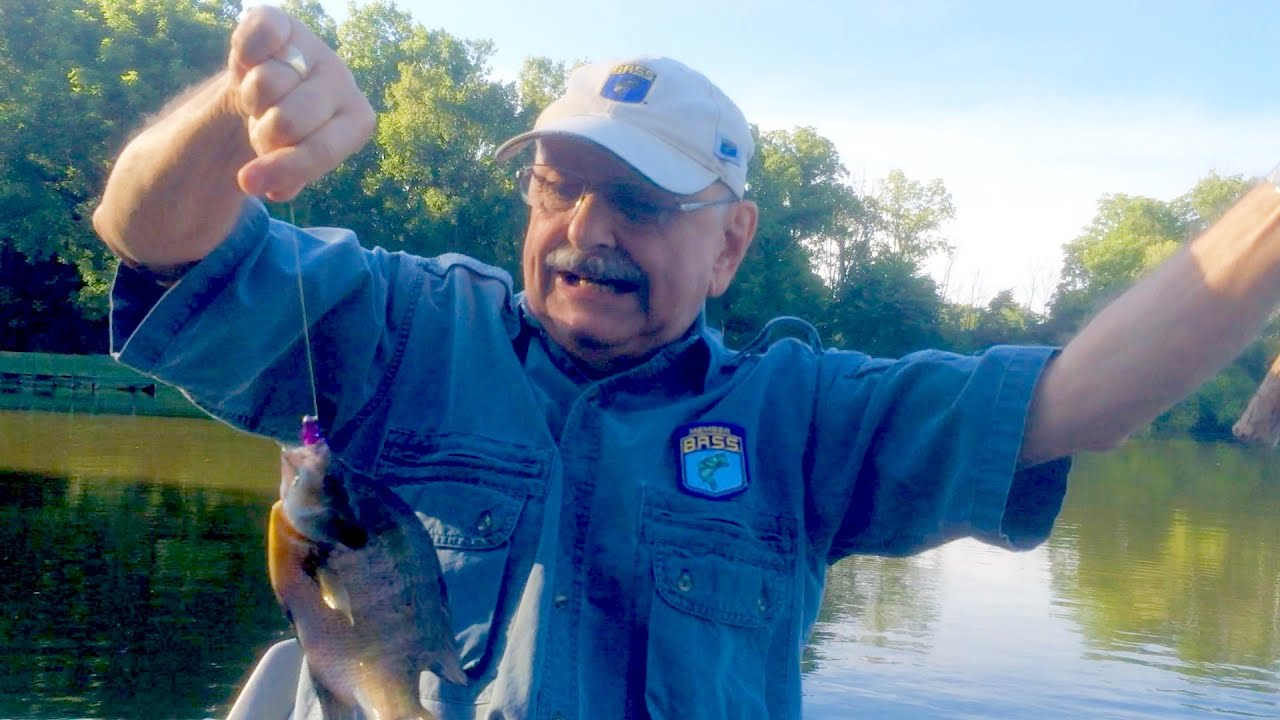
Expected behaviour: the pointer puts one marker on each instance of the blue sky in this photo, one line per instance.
(1028, 111)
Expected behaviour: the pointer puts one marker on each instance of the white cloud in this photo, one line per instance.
(1026, 175)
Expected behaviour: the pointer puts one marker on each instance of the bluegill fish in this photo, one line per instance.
(358, 576)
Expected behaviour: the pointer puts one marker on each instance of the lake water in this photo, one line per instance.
(133, 585)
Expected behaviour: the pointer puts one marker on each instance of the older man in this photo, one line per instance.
(634, 520)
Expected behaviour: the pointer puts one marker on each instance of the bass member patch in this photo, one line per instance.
(712, 458)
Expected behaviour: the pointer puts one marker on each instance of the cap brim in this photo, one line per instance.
(662, 164)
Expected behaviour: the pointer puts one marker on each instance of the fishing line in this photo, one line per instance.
(306, 323)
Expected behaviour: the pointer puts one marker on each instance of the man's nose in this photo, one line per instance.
(592, 222)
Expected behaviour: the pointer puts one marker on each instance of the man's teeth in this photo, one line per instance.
(576, 280)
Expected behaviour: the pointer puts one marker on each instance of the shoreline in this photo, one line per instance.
(85, 383)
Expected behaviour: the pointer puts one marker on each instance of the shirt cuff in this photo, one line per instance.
(146, 315)
(1016, 508)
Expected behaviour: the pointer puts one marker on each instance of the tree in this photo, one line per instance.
(427, 182)
(436, 140)
(888, 308)
(541, 81)
(1208, 200)
(910, 215)
(805, 200)
(75, 76)
(1128, 236)
(1002, 322)
(796, 180)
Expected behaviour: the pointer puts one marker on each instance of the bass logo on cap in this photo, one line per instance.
(727, 150)
(712, 458)
(628, 83)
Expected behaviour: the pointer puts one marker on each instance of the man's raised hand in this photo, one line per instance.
(302, 109)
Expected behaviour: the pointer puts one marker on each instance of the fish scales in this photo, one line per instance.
(358, 576)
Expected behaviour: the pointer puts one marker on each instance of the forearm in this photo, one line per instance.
(172, 195)
(1157, 342)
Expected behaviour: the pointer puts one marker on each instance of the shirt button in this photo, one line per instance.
(684, 583)
(485, 522)
(558, 716)
(561, 600)
(764, 604)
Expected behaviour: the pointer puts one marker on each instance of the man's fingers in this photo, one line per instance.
(303, 112)
(292, 118)
(265, 85)
(284, 171)
(263, 32)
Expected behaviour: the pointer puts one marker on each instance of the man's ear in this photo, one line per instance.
(739, 230)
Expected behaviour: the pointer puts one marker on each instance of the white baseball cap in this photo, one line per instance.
(662, 118)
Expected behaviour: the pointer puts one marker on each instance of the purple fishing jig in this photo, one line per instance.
(310, 434)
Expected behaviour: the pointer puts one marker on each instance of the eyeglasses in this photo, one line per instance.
(554, 191)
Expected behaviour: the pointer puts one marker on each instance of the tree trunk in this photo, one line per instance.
(1260, 421)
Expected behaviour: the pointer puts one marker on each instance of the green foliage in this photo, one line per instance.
(37, 309)
(74, 74)
(427, 182)
(312, 14)
(1116, 247)
(910, 213)
(1002, 322)
(436, 143)
(1209, 199)
(1211, 410)
(796, 180)
(541, 81)
(850, 260)
(1129, 236)
(888, 308)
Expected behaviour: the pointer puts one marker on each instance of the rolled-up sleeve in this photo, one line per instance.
(911, 453)
(231, 334)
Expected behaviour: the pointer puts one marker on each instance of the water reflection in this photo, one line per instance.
(128, 596)
(1158, 596)
(1172, 558)
(894, 601)
(133, 586)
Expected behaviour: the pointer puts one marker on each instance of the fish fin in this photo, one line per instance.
(331, 708)
(334, 593)
(447, 665)
(366, 703)
(382, 698)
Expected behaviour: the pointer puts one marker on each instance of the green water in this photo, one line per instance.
(134, 586)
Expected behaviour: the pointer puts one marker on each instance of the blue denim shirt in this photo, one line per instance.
(649, 544)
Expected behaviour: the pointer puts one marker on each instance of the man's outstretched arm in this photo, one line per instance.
(1162, 338)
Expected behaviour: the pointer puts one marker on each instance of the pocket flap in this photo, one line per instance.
(462, 516)
(515, 469)
(730, 590)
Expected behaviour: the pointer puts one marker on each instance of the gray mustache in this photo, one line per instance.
(604, 264)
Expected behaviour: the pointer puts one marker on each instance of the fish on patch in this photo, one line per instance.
(357, 574)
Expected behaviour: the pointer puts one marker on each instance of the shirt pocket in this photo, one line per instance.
(470, 492)
(720, 623)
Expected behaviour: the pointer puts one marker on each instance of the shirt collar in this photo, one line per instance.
(683, 364)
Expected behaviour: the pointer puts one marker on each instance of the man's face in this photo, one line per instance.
(608, 288)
